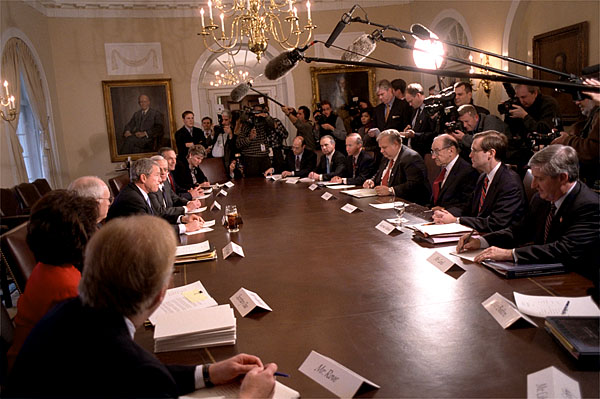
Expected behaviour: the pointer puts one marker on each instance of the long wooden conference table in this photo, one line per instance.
(370, 301)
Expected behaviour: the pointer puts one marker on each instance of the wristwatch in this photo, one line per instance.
(206, 376)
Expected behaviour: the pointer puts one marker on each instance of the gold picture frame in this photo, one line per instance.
(326, 82)
(124, 113)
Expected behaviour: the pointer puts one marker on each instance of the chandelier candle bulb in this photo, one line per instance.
(223, 24)
(290, 3)
(308, 10)
(202, 15)
(210, 11)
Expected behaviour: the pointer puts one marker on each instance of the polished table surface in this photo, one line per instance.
(367, 300)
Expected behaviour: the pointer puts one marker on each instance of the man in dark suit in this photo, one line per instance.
(563, 222)
(399, 86)
(84, 347)
(187, 173)
(299, 162)
(165, 199)
(391, 112)
(422, 128)
(169, 154)
(453, 187)
(359, 165)
(188, 136)
(134, 198)
(499, 199)
(402, 172)
(332, 162)
(144, 130)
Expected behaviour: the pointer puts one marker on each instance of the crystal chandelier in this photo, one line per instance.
(229, 77)
(256, 21)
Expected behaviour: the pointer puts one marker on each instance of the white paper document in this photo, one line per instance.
(361, 192)
(203, 196)
(192, 248)
(198, 210)
(274, 177)
(207, 190)
(395, 220)
(292, 180)
(552, 383)
(505, 312)
(341, 186)
(387, 205)
(202, 230)
(181, 299)
(245, 301)
(336, 378)
(544, 306)
(327, 183)
(232, 248)
(233, 391)
(468, 255)
(307, 180)
(431, 229)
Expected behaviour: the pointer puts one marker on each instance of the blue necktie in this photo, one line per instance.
(327, 163)
(149, 205)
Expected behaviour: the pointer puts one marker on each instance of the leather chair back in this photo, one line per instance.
(28, 194)
(9, 203)
(17, 256)
(42, 186)
(214, 170)
(117, 183)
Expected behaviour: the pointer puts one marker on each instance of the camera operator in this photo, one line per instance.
(464, 95)
(421, 131)
(256, 125)
(304, 126)
(471, 122)
(328, 123)
(583, 136)
(532, 113)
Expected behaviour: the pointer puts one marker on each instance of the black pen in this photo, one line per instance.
(564, 311)
(278, 374)
(467, 240)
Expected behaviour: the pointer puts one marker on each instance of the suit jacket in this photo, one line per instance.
(505, 203)
(425, 132)
(183, 136)
(573, 237)
(458, 188)
(180, 191)
(79, 351)
(307, 163)
(400, 116)
(408, 177)
(183, 176)
(166, 201)
(337, 167)
(152, 123)
(365, 168)
(130, 201)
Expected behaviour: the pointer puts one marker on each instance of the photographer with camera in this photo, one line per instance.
(464, 95)
(327, 123)
(304, 126)
(256, 125)
(528, 112)
(471, 122)
(421, 131)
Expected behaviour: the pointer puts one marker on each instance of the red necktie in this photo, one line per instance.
(354, 167)
(386, 177)
(437, 183)
(483, 193)
(549, 222)
(171, 181)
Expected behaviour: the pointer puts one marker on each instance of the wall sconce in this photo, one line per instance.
(485, 84)
(9, 103)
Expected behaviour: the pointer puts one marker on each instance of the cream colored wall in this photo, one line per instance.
(72, 53)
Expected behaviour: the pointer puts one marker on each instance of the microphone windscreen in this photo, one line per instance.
(420, 31)
(239, 92)
(361, 48)
(280, 65)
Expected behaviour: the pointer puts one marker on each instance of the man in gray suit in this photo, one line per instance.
(144, 129)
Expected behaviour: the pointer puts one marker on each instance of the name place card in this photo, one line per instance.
(223, 193)
(349, 208)
(552, 383)
(229, 184)
(327, 196)
(504, 311)
(336, 378)
(312, 187)
(232, 248)
(215, 205)
(385, 227)
(441, 262)
(246, 301)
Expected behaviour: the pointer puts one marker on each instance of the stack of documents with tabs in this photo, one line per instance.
(182, 299)
(195, 252)
(439, 233)
(197, 328)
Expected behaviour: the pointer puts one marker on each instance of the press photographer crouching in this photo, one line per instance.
(470, 122)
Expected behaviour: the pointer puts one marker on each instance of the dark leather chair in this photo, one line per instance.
(16, 255)
(28, 195)
(11, 213)
(42, 186)
(214, 170)
(117, 183)
(6, 339)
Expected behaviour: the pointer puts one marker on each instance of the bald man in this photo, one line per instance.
(144, 130)
(94, 187)
(359, 165)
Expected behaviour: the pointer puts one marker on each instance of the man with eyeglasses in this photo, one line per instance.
(94, 187)
(453, 187)
(499, 199)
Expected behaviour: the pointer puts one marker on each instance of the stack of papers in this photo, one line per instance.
(196, 328)
(195, 252)
(233, 391)
(181, 299)
(439, 233)
(361, 192)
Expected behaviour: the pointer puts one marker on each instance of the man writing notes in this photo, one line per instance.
(499, 198)
(563, 222)
(332, 162)
(298, 162)
(402, 171)
(165, 199)
(453, 187)
(359, 165)
(84, 347)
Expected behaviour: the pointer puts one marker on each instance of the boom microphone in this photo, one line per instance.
(363, 46)
(340, 26)
(420, 32)
(284, 62)
(239, 92)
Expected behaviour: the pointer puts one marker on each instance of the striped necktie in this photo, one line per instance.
(549, 222)
(483, 193)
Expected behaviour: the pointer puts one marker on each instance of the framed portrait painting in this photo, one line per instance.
(564, 50)
(139, 117)
(340, 85)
